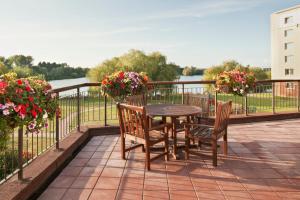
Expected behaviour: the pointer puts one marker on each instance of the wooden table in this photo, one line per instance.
(173, 111)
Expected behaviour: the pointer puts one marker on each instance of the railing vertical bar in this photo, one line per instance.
(216, 102)
(246, 105)
(20, 153)
(182, 95)
(78, 109)
(57, 128)
(105, 110)
(273, 97)
(298, 97)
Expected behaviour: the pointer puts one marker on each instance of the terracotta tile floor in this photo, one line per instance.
(263, 163)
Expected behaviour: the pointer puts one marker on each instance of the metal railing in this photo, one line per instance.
(83, 104)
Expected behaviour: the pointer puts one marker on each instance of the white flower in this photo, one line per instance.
(53, 95)
(235, 89)
(45, 116)
(31, 125)
(247, 86)
(242, 91)
(6, 112)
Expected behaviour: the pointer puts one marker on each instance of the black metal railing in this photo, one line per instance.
(83, 104)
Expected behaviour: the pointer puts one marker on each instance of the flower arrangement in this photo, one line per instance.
(121, 84)
(235, 82)
(25, 102)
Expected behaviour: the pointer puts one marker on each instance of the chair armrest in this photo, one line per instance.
(196, 124)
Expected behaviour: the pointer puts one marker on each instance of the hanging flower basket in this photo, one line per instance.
(235, 82)
(121, 84)
(25, 102)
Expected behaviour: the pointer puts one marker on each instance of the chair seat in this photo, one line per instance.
(203, 132)
(154, 136)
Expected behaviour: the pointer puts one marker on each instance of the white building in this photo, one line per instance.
(285, 43)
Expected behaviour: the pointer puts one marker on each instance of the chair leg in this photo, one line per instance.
(166, 147)
(147, 157)
(143, 149)
(199, 144)
(225, 145)
(123, 147)
(187, 147)
(214, 152)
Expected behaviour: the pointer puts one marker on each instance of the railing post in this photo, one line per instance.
(57, 127)
(105, 110)
(298, 97)
(273, 97)
(20, 153)
(246, 105)
(78, 109)
(216, 102)
(182, 95)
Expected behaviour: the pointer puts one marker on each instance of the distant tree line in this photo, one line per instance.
(24, 67)
(259, 72)
(191, 71)
(154, 64)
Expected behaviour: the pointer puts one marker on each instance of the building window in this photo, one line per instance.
(288, 33)
(288, 59)
(289, 71)
(288, 45)
(288, 20)
(289, 85)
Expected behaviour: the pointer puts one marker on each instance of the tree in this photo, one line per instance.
(23, 72)
(19, 60)
(3, 68)
(211, 72)
(154, 64)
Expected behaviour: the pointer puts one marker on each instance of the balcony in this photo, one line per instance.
(78, 156)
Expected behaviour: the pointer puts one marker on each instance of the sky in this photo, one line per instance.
(188, 32)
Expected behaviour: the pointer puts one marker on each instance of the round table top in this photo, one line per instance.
(172, 110)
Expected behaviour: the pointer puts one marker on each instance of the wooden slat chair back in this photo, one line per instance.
(134, 126)
(210, 134)
(200, 100)
(137, 100)
(222, 117)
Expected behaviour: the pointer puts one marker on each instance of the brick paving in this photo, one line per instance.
(263, 163)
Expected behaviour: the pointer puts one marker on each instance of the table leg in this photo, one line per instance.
(175, 155)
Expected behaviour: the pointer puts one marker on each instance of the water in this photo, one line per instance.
(69, 82)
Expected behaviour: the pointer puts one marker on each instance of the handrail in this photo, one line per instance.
(62, 89)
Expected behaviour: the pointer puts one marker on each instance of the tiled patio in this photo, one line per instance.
(263, 163)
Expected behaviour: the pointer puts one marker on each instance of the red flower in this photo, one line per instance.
(31, 99)
(27, 88)
(3, 86)
(121, 75)
(22, 109)
(19, 91)
(122, 85)
(33, 113)
(19, 82)
(104, 82)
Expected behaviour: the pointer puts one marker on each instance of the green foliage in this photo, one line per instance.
(154, 64)
(22, 72)
(212, 72)
(190, 71)
(23, 67)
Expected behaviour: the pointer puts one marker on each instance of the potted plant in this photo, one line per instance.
(120, 85)
(25, 102)
(235, 82)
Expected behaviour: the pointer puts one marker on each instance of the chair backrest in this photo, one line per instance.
(133, 120)
(137, 100)
(222, 117)
(199, 100)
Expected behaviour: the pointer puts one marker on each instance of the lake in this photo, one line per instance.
(69, 82)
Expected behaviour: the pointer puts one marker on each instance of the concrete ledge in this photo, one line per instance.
(38, 173)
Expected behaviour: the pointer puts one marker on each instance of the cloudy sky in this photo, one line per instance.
(189, 32)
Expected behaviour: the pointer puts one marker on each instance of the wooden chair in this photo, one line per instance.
(210, 134)
(141, 100)
(137, 100)
(134, 125)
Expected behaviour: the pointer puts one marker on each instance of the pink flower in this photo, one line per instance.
(6, 112)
